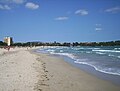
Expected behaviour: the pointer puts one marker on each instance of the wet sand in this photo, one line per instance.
(61, 76)
(25, 70)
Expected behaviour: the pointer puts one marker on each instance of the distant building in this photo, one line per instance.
(8, 40)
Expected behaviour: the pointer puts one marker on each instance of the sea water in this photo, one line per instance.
(102, 59)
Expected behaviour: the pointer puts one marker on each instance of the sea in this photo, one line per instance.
(102, 61)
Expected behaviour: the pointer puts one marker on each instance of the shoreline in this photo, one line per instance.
(27, 70)
(64, 76)
(115, 79)
(91, 69)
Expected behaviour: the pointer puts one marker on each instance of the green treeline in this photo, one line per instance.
(110, 43)
(2, 43)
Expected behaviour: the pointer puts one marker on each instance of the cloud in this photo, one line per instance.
(113, 10)
(98, 29)
(81, 12)
(31, 5)
(61, 18)
(98, 25)
(18, 1)
(5, 4)
(4, 7)
(12, 1)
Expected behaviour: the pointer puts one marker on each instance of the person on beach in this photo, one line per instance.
(8, 48)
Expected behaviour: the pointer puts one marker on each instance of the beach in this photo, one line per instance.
(23, 69)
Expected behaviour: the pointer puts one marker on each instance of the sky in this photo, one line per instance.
(60, 20)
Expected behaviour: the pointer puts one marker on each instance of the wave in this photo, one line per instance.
(111, 55)
(65, 54)
(117, 48)
(61, 50)
(103, 70)
(83, 48)
(83, 61)
(114, 56)
(88, 52)
(61, 47)
(106, 51)
(100, 53)
(50, 50)
(76, 48)
(118, 56)
(100, 68)
(96, 48)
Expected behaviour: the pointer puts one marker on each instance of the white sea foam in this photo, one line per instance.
(83, 48)
(65, 54)
(101, 53)
(41, 49)
(118, 56)
(50, 50)
(111, 55)
(116, 48)
(76, 48)
(88, 52)
(92, 48)
(61, 50)
(106, 51)
(96, 48)
(61, 47)
(103, 70)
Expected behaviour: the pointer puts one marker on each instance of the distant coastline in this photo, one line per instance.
(31, 44)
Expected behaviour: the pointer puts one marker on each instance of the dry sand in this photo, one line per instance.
(23, 70)
(18, 70)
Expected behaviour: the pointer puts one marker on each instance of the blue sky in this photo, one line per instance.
(60, 20)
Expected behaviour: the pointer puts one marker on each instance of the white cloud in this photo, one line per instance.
(18, 1)
(98, 24)
(12, 1)
(98, 29)
(113, 10)
(81, 12)
(31, 5)
(4, 7)
(61, 18)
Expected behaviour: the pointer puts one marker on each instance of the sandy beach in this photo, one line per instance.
(25, 70)
(17, 70)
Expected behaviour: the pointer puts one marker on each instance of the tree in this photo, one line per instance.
(3, 43)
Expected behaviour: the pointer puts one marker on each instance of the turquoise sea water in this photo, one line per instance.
(103, 59)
